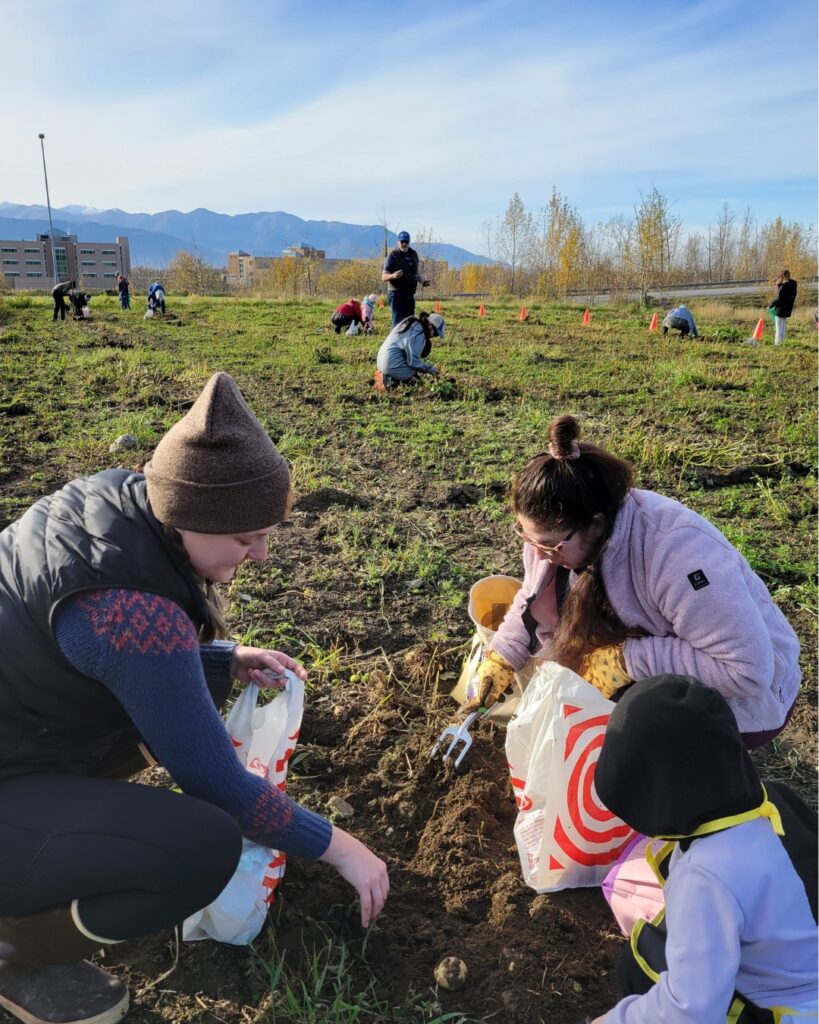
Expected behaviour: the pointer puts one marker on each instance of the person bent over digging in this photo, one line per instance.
(113, 645)
(402, 355)
(737, 938)
(621, 584)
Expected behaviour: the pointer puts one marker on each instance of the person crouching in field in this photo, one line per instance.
(347, 313)
(156, 299)
(80, 303)
(114, 644)
(401, 357)
(737, 938)
(680, 319)
(621, 584)
(368, 312)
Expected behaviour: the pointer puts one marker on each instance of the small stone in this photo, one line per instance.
(451, 973)
(245, 598)
(125, 442)
(340, 807)
(415, 584)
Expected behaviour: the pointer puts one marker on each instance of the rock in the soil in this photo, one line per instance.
(340, 807)
(451, 973)
(415, 584)
(124, 443)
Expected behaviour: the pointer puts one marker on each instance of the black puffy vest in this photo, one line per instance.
(95, 532)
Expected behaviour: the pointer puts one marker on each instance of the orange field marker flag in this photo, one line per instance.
(759, 330)
(653, 325)
(586, 318)
(482, 310)
(524, 314)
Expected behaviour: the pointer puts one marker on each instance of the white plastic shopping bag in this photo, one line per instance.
(566, 838)
(265, 739)
(354, 329)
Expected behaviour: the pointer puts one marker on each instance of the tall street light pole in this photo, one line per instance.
(48, 203)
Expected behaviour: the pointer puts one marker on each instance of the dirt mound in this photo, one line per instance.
(326, 497)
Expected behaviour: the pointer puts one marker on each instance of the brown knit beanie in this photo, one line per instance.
(216, 470)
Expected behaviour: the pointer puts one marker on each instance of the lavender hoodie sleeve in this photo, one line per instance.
(512, 639)
(702, 951)
(718, 634)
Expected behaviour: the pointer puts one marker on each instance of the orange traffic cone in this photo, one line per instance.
(380, 301)
(524, 314)
(760, 328)
(482, 311)
(653, 325)
(586, 318)
(437, 307)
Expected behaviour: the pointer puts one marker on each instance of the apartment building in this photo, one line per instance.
(240, 267)
(93, 265)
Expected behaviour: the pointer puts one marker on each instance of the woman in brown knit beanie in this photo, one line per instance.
(111, 646)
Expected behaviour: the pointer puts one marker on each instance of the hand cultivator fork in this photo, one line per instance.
(459, 732)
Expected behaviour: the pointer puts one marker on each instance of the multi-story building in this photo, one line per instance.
(240, 268)
(93, 265)
(304, 252)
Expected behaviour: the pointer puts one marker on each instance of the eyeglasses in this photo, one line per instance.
(403, 241)
(546, 549)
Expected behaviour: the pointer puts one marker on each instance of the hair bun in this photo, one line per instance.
(564, 432)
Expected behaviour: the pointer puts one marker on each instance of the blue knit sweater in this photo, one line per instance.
(145, 650)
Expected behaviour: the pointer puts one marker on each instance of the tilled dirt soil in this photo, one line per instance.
(456, 886)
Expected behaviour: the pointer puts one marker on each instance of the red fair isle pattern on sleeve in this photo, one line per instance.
(139, 623)
(272, 812)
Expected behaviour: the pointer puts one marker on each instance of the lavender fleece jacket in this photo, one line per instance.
(707, 614)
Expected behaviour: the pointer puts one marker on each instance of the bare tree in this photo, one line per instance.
(721, 246)
(658, 232)
(514, 237)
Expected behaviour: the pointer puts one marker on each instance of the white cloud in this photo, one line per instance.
(447, 144)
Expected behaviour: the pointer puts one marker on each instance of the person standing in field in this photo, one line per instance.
(401, 272)
(368, 311)
(116, 656)
(782, 305)
(60, 293)
(124, 290)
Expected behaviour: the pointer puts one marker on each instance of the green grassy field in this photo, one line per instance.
(401, 506)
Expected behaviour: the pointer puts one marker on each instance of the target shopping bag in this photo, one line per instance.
(566, 838)
(265, 739)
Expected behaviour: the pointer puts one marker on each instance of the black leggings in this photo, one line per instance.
(138, 858)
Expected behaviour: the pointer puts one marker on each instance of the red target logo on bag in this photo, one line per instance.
(585, 830)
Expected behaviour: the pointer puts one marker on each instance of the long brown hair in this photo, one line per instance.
(217, 628)
(569, 487)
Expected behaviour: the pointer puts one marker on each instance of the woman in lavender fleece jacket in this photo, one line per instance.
(622, 584)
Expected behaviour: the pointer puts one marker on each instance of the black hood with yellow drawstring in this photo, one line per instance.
(673, 759)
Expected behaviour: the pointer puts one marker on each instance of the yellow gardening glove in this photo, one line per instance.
(605, 669)
(494, 677)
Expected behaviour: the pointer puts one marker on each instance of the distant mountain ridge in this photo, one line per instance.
(155, 238)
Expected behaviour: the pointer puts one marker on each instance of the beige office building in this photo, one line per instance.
(93, 265)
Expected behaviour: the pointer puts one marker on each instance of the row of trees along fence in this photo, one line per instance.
(549, 253)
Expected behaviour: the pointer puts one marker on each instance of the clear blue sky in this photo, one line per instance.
(432, 113)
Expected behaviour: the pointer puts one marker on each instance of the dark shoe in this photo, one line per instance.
(80, 994)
